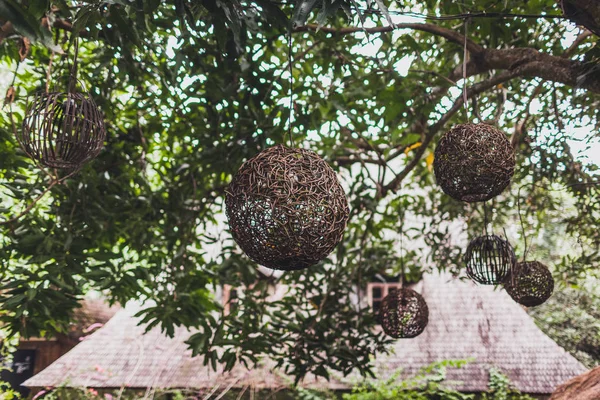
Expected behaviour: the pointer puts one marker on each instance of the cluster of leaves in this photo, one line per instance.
(570, 318)
(502, 389)
(192, 89)
(430, 383)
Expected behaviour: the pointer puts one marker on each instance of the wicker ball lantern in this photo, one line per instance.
(286, 208)
(530, 283)
(403, 314)
(62, 130)
(489, 259)
(474, 162)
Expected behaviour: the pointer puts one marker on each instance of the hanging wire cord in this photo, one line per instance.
(291, 83)
(401, 219)
(464, 71)
(526, 249)
(452, 17)
(447, 17)
(485, 219)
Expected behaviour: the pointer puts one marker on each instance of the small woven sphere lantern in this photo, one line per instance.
(489, 259)
(62, 130)
(530, 283)
(286, 208)
(474, 162)
(403, 314)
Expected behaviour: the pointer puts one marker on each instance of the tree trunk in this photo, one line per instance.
(583, 12)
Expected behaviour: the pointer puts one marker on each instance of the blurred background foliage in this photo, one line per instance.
(191, 89)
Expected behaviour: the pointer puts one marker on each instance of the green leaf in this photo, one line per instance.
(302, 11)
(23, 22)
(127, 29)
(384, 10)
(38, 8)
(27, 25)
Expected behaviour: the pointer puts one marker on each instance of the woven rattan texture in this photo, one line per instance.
(286, 208)
(489, 259)
(530, 283)
(62, 130)
(474, 162)
(403, 314)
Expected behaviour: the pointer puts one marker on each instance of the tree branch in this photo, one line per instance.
(55, 181)
(448, 34)
(526, 62)
(531, 63)
(30, 206)
(583, 12)
(474, 90)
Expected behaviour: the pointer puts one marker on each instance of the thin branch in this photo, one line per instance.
(513, 72)
(520, 125)
(434, 73)
(529, 62)
(30, 206)
(54, 182)
(430, 28)
(480, 87)
(351, 159)
(285, 68)
(580, 39)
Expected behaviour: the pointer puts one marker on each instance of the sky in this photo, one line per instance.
(586, 152)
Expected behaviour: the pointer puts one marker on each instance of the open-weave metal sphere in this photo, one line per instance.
(489, 259)
(530, 283)
(286, 208)
(62, 130)
(474, 162)
(403, 314)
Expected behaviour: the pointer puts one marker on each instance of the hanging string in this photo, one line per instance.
(10, 98)
(464, 71)
(485, 219)
(49, 72)
(526, 249)
(291, 83)
(401, 215)
(73, 73)
(447, 17)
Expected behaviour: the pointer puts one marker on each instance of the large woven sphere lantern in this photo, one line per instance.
(474, 162)
(286, 208)
(62, 130)
(530, 283)
(489, 259)
(403, 314)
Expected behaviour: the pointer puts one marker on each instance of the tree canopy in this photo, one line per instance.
(191, 89)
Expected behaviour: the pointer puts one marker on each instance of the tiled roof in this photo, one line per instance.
(92, 314)
(466, 321)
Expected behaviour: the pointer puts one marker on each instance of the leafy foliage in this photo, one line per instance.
(427, 384)
(501, 388)
(431, 383)
(192, 89)
(570, 317)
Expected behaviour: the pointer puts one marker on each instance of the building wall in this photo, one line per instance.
(46, 350)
